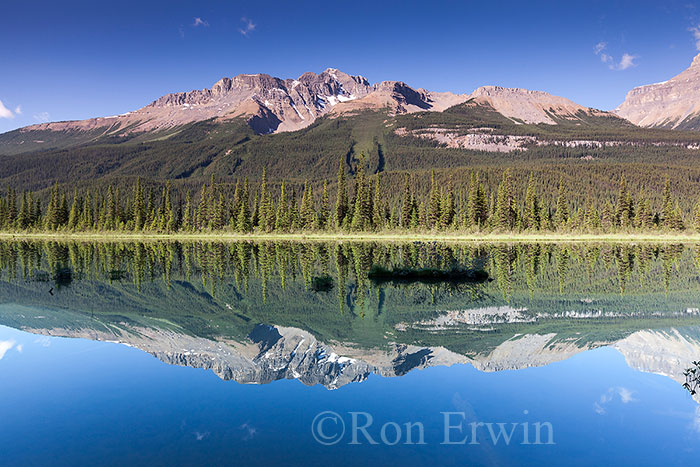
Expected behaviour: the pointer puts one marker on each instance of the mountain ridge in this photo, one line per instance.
(674, 103)
(272, 105)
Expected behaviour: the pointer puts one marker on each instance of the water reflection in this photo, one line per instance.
(259, 312)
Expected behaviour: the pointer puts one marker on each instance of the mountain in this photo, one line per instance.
(525, 106)
(671, 104)
(274, 105)
(269, 104)
(271, 353)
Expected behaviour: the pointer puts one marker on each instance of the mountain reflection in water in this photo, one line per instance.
(254, 313)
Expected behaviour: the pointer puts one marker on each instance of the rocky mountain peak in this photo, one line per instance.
(696, 61)
(527, 106)
(672, 104)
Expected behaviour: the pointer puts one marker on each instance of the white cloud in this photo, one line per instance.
(625, 395)
(5, 346)
(696, 35)
(44, 341)
(5, 112)
(18, 110)
(627, 61)
(248, 26)
(42, 117)
(200, 22)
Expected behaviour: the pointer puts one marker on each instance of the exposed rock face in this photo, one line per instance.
(271, 353)
(531, 106)
(270, 104)
(674, 103)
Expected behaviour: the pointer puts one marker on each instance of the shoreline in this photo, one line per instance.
(362, 237)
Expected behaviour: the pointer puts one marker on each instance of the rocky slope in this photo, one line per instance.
(674, 103)
(525, 106)
(271, 353)
(269, 104)
(272, 105)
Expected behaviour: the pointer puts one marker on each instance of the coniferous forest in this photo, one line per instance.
(357, 203)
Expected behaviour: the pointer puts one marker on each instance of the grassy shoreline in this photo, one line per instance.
(551, 237)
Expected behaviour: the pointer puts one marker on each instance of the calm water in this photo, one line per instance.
(288, 353)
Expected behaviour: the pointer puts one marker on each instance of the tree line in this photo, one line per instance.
(359, 204)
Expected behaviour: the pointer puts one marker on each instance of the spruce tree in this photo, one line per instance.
(324, 217)
(407, 206)
(433, 213)
(139, 206)
(505, 213)
(341, 202)
(307, 211)
(667, 209)
(531, 213)
(377, 205)
(283, 217)
(561, 215)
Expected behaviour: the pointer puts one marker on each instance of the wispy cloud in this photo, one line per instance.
(18, 110)
(695, 30)
(627, 60)
(200, 22)
(626, 396)
(248, 26)
(249, 431)
(5, 112)
(42, 117)
(43, 341)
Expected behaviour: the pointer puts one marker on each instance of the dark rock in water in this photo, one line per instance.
(322, 283)
(427, 275)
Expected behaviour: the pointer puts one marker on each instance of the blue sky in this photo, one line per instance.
(77, 59)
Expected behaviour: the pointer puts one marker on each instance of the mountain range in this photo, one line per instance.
(272, 105)
(299, 128)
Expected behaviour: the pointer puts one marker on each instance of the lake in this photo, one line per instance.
(294, 353)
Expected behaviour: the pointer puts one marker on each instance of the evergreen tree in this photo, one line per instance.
(139, 206)
(477, 205)
(561, 215)
(282, 219)
(203, 209)
(187, 212)
(433, 213)
(667, 209)
(377, 209)
(243, 219)
(341, 202)
(324, 217)
(75, 210)
(505, 214)
(307, 210)
(265, 206)
(531, 213)
(407, 204)
(447, 207)
(362, 216)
